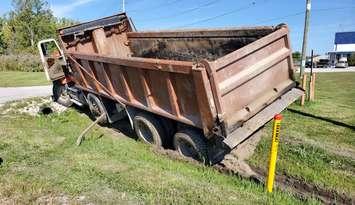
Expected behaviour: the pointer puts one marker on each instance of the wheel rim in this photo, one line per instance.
(64, 96)
(144, 132)
(95, 109)
(187, 149)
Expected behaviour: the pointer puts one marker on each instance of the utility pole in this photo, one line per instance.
(123, 6)
(305, 38)
(310, 78)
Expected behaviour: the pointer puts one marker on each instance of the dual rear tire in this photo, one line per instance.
(151, 130)
(190, 143)
(187, 142)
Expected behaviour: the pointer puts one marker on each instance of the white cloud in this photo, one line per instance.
(63, 10)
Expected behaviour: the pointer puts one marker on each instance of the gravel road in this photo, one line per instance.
(18, 93)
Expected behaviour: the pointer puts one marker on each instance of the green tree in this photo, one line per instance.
(351, 60)
(296, 56)
(27, 23)
(2, 41)
(65, 22)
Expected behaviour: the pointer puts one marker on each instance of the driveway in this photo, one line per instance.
(19, 93)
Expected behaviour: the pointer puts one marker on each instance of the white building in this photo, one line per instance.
(344, 46)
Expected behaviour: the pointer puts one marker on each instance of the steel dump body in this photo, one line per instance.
(214, 80)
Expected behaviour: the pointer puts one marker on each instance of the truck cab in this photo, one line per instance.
(56, 69)
(52, 58)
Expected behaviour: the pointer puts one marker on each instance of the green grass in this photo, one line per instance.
(41, 160)
(17, 79)
(315, 150)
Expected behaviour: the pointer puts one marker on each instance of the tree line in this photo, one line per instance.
(28, 22)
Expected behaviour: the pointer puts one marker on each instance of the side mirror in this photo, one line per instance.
(52, 58)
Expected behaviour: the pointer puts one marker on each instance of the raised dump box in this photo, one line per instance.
(222, 83)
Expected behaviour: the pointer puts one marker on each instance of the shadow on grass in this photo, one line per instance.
(124, 127)
(322, 118)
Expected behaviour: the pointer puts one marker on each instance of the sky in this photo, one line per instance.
(327, 16)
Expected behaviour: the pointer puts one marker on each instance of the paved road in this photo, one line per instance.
(330, 70)
(18, 93)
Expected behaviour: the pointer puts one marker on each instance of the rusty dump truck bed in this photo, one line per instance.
(223, 81)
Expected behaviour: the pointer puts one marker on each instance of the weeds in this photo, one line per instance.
(20, 62)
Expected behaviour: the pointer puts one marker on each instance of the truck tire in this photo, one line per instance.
(96, 108)
(149, 130)
(190, 143)
(60, 95)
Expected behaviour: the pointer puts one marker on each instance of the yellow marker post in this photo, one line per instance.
(273, 152)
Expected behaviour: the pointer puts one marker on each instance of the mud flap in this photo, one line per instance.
(261, 118)
(131, 112)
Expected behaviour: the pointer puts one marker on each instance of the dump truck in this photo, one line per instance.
(202, 92)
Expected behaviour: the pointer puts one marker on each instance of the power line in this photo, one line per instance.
(190, 10)
(155, 7)
(123, 6)
(282, 17)
(323, 28)
(133, 2)
(337, 8)
(220, 15)
(301, 13)
(263, 21)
